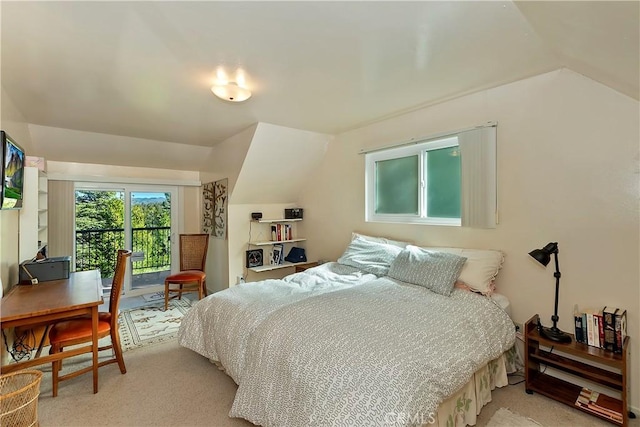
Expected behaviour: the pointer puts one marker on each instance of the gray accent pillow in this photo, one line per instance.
(372, 257)
(436, 271)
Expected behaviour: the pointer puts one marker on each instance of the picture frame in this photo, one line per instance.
(254, 258)
(278, 254)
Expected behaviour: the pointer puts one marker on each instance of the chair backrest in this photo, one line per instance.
(116, 285)
(193, 251)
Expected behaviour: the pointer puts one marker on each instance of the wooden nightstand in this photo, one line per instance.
(303, 267)
(580, 361)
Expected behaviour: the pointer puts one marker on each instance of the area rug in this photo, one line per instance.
(155, 296)
(505, 418)
(150, 324)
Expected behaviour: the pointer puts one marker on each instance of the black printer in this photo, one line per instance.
(44, 270)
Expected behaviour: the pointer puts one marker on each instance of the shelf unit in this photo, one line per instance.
(579, 360)
(43, 210)
(34, 213)
(285, 264)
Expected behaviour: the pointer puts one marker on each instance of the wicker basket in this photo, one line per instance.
(19, 393)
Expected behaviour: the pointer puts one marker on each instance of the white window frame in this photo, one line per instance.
(419, 149)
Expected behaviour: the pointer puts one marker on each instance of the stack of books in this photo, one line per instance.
(605, 328)
(281, 232)
(588, 400)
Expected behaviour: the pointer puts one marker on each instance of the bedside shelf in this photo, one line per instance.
(265, 221)
(286, 264)
(276, 228)
(616, 380)
(275, 242)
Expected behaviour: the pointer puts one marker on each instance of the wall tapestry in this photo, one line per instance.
(207, 207)
(214, 208)
(220, 209)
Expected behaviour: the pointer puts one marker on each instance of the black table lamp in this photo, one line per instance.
(543, 256)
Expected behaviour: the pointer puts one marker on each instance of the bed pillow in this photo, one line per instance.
(397, 243)
(436, 271)
(481, 268)
(369, 256)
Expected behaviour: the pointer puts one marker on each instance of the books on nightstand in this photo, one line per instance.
(589, 401)
(605, 328)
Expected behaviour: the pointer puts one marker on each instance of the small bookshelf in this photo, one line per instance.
(578, 360)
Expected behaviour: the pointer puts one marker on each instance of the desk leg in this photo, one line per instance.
(94, 341)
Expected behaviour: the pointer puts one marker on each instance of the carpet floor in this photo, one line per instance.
(167, 385)
(505, 418)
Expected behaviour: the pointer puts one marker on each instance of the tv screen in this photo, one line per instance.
(12, 173)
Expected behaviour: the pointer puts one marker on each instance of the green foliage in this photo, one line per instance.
(100, 231)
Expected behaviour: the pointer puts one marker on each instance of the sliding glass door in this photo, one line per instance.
(139, 218)
(151, 242)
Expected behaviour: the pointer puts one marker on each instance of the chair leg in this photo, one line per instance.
(200, 289)
(117, 349)
(204, 287)
(166, 295)
(180, 293)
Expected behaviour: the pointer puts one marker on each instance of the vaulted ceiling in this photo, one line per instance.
(143, 70)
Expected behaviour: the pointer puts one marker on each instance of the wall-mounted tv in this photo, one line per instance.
(12, 173)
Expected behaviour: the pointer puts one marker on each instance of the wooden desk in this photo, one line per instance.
(27, 305)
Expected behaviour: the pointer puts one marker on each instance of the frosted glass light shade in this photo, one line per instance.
(231, 92)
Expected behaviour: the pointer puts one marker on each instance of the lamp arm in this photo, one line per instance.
(557, 276)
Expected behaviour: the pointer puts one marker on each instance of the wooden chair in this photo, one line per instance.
(76, 331)
(191, 277)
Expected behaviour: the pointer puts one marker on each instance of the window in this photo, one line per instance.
(449, 180)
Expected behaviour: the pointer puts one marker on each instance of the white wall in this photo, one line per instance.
(226, 160)
(14, 123)
(278, 164)
(568, 170)
(267, 167)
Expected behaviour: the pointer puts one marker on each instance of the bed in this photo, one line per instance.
(388, 335)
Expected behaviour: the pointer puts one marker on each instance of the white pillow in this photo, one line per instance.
(372, 257)
(481, 268)
(379, 240)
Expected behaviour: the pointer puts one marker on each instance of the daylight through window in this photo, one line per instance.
(449, 180)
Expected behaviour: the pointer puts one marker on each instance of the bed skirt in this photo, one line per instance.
(463, 407)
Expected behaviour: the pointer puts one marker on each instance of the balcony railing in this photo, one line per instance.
(96, 249)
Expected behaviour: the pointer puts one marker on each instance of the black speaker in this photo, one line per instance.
(294, 213)
(256, 215)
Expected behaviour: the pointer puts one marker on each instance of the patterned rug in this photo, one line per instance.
(154, 296)
(150, 324)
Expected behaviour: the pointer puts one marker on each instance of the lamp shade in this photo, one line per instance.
(543, 256)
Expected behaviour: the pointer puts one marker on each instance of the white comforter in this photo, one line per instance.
(382, 353)
(219, 326)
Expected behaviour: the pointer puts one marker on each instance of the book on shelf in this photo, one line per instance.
(278, 254)
(608, 317)
(280, 232)
(604, 328)
(620, 330)
(589, 400)
(592, 328)
(600, 323)
(577, 317)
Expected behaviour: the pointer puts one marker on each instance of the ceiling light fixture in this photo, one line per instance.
(231, 91)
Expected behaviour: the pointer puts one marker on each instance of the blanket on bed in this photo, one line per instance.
(219, 326)
(381, 353)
